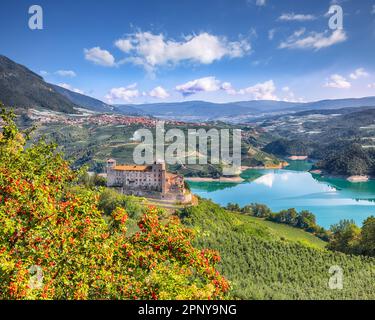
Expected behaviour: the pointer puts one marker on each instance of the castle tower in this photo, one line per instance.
(160, 168)
(111, 163)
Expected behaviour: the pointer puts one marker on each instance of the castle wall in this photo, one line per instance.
(135, 179)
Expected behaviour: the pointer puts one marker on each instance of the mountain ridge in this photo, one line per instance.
(22, 88)
(84, 101)
(203, 110)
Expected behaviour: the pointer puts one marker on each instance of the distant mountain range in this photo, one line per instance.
(24, 89)
(205, 111)
(240, 111)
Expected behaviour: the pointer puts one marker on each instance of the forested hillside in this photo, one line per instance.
(351, 159)
(84, 101)
(342, 140)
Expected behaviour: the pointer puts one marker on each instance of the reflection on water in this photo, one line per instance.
(269, 178)
(330, 199)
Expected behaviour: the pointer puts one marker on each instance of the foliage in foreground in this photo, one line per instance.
(55, 244)
(261, 266)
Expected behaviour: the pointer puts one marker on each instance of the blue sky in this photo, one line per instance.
(214, 50)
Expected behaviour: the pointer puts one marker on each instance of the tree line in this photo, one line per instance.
(304, 220)
(344, 236)
(347, 237)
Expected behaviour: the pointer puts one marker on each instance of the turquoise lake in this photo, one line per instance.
(330, 199)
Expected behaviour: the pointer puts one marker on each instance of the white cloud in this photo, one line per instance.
(313, 40)
(271, 34)
(152, 50)
(207, 84)
(290, 96)
(43, 73)
(228, 88)
(66, 73)
(338, 81)
(373, 9)
(296, 17)
(261, 91)
(123, 93)
(339, 2)
(261, 3)
(100, 56)
(159, 92)
(124, 45)
(69, 87)
(371, 85)
(359, 73)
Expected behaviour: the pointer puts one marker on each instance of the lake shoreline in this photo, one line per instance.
(237, 179)
(331, 200)
(352, 179)
(282, 165)
(221, 179)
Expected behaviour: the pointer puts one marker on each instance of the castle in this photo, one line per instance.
(147, 180)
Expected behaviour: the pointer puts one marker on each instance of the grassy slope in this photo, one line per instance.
(262, 266)
(289, 233)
